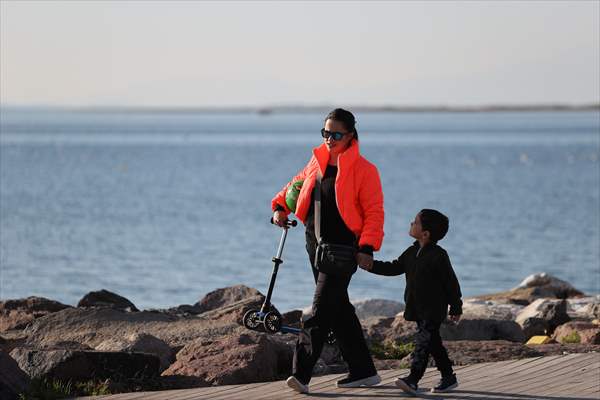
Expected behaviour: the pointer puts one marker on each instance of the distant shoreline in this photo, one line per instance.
(297, 109)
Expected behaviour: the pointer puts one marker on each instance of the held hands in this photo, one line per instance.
(365, 261)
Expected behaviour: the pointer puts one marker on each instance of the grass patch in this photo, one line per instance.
(572, 337)
(391, 350)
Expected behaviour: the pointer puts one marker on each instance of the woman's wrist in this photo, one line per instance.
(366, 249)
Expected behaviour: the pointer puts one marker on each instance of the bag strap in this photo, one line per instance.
(317, 210)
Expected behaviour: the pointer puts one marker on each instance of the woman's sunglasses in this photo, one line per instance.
(334, 135)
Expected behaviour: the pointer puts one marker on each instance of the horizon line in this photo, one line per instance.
(300, 108)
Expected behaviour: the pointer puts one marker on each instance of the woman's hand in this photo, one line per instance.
(279, 218)
(365, 261)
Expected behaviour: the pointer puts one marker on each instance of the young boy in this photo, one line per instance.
(431, 286)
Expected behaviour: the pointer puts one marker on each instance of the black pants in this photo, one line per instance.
(332, 310)
(428, 341)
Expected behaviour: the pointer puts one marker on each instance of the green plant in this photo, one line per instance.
(391, 350)
(55, 389)
(572, 337)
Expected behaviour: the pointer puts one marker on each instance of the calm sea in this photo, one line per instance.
(164, 207)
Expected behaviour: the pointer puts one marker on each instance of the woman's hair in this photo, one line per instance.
(346, 118)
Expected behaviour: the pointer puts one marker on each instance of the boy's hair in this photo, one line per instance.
(435, 222)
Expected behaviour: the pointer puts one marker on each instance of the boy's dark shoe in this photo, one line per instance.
(446, 383)
(407, 384)
(352, 382)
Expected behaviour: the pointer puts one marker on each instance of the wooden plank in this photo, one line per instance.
(530, 374)
(531, 380)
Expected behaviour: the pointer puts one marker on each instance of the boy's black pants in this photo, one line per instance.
(332, 310)
(428, 341)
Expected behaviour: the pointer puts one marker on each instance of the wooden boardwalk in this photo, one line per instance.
(570, 377)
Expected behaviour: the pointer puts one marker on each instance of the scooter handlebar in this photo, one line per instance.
(288, 223)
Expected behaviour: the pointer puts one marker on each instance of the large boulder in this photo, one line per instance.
(551, 312)
(377, 308)
(549, 286)
(13, 380)
(535, 287)
(17, 314)
(220, 298)
(401, 331)
(105, 299)
(78, 365)
(577, 332)
(140, 343)
(239, 358)
(482, 329)
(93, 326)
(474, 308)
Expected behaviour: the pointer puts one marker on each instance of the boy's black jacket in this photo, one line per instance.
(431, 283)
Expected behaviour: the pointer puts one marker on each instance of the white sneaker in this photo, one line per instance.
(348, 382)
(295, 384)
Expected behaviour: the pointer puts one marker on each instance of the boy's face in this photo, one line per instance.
(416, 229)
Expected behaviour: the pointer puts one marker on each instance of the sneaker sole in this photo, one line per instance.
(434, 390)
(296, 385)
(370, 381)
(402, 385)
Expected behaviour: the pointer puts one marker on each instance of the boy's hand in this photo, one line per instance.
(365, 261)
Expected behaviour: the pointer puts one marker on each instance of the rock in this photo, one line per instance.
(584, 307)
(225, 297)
(12, 339)
(402, 331)
(13, 380)
(483, 329)
(577, 332)
(377, 308)
(78, 365)
(242, 358)
(474, 308)
(549, 286)
(104, 298)
(17, 314)
(535, 287)
(554, 312)
(292, 318)
(92, 326)
(140, 343)
(471, 352)
(534, 327)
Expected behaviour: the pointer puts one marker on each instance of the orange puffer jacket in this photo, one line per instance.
(357, 190)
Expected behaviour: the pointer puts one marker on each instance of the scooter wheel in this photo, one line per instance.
(251, 319)
(272, 322)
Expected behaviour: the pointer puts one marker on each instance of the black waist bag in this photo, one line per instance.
(330, 258)
(335, 259)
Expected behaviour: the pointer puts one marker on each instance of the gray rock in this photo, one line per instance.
(17, 314)
(377, 308)
(534, 326)
(554, 312)
(104, 298)
(13, 380)
(550, 286)
(483, 329)
(78, 365)
(140, 343)
(224, 297)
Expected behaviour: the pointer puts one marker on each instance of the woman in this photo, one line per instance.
(351, 214)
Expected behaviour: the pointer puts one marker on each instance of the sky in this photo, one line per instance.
(214, 54)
